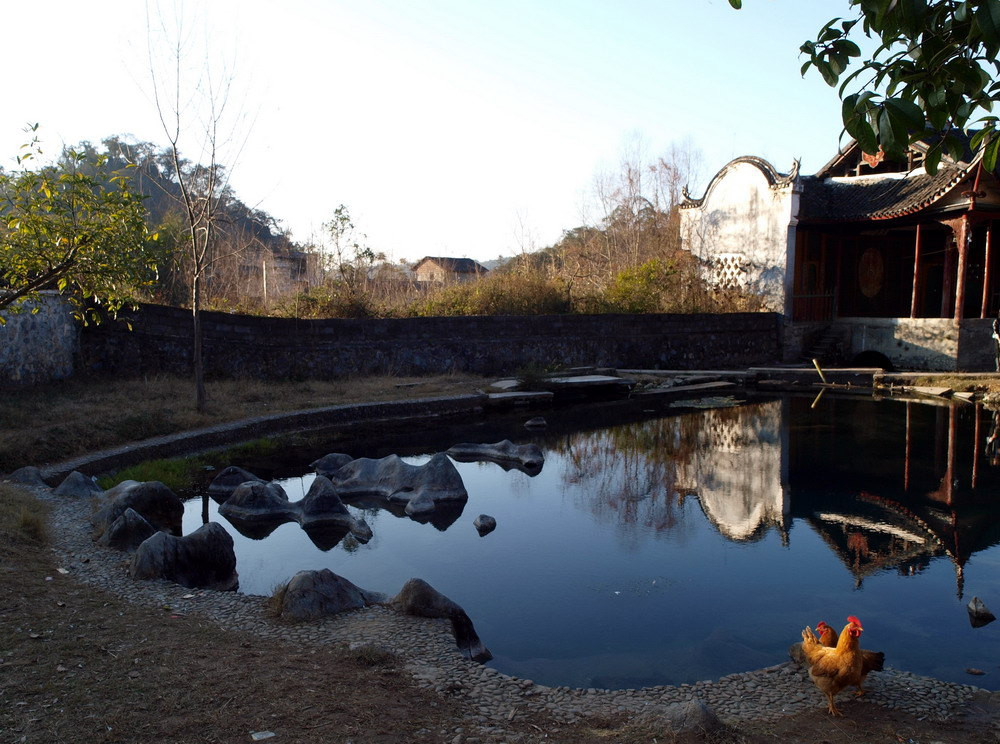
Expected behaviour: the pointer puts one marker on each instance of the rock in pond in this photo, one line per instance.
(419, 598)
(321, 506)
(314, 594)
(398, 482)
(484, 524)
(525, 457)
(157, 504)
(258, 501)
(537, 423)
(204, 559)
(329, 464)
(978, 614)
(76, 485)
(127, 532)
(223, 485)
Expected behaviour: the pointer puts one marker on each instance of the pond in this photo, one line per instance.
(680, 547)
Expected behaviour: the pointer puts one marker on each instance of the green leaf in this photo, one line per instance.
(737, 4)
(990, 154)
(933, 158)
(908, 113)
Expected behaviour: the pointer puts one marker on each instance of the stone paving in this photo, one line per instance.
(492, 698)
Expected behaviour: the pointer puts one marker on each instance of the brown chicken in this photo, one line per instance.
(833, 668)
(871, 661)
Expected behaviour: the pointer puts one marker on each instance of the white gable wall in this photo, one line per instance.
(743, 233)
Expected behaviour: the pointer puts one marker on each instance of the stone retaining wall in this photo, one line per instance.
(38, 344)
(283, 348)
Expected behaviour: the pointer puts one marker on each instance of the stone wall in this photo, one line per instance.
(38, 344)
(279, 348)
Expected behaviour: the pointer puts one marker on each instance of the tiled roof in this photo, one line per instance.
(456, 265)
(875, 198)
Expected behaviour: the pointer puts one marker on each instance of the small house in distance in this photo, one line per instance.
(442, 270)
(870, 259)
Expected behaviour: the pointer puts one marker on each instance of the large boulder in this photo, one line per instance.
(327, 465)
(223, 485)
(525, 457)
(29, 475)
(76, 485)
(436, 481)
(158, 505)
(419, 598)
(127, 532)
(321, 506)
(204, 559)
(257, 501)
(313, 594)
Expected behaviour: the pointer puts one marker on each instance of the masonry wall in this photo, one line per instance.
(38, 346)
(280, 348)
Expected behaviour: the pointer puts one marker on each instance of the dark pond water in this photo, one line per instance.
(687, 547)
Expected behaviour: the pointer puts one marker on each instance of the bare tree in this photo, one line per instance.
(193, 104)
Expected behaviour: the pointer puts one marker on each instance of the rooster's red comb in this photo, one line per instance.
(853, 619)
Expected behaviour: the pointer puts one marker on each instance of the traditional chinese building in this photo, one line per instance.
(876, 256)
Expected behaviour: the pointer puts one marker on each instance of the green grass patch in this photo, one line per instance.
(182, 473)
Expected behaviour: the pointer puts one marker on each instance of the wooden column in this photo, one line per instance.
(962, 243)
(986, 271)
(948, 281)
(916, 273)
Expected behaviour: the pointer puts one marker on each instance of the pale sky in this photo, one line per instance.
(448, 127)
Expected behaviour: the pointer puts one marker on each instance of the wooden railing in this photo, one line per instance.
(812, 307)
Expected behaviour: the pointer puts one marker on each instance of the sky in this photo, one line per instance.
(447, 127)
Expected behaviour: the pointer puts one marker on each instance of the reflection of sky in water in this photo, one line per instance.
(682, 549)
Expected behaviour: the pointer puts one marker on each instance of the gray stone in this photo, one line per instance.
(258, 501)
(223, 485)
(691, 716)
(29, 475)
(329, 464)
(525, 457)
(537, 423)
(420, 505)
(419, 598)
(313, 594)
(127, 532)
(398, 482)
(204, 559)
(361, 531)
(321, 506)
(485, 524)
(160, 506)
(76, 485)
(978, 614)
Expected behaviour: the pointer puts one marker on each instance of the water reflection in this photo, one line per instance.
(624, 562)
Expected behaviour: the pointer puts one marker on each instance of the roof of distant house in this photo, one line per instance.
(455, 265)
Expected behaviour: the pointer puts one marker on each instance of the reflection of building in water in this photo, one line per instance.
(736, 471)
(888, 486)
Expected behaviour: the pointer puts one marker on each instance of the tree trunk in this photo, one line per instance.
(198, 361)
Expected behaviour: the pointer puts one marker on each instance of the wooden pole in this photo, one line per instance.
(916, 272)
(986, 271)
(962, 240)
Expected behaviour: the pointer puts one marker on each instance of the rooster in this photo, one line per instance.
(833, 668)
(871, 661)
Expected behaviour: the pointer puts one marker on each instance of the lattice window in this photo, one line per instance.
(730, 270)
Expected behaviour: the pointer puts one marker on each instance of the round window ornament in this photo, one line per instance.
(871, 272)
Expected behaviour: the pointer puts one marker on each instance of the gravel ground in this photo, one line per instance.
(492, 697)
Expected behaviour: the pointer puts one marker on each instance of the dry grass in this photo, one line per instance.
(23, 519)
(58, 421)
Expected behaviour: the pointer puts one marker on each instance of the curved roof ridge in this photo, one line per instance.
(775, 179)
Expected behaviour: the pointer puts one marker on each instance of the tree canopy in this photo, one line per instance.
(933, 72)
(73, 226)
